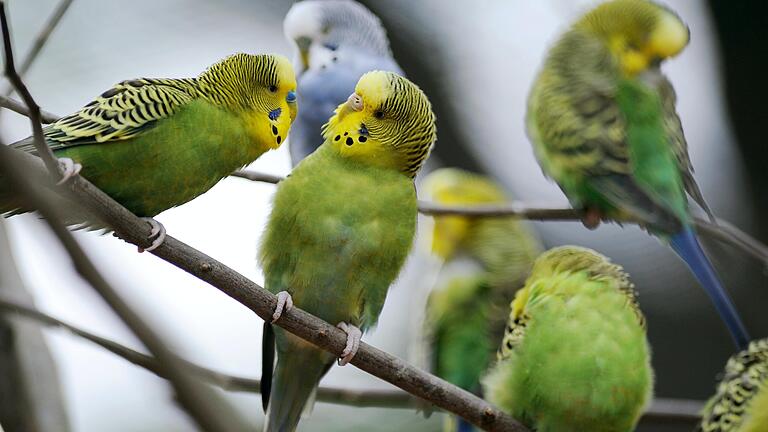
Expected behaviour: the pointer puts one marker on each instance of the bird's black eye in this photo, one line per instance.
(273, 88)
(379, 114)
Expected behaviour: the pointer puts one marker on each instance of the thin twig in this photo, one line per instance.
(20, 108)
(372, 360)
(34, 110)
(41, 39)
(200, 402)
(723, 232)
(661, 410)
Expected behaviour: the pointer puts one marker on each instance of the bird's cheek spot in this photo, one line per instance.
(362, 139)
(279, 139)
(346, 133)
(274, 130)
(350, 141)
(338, 137)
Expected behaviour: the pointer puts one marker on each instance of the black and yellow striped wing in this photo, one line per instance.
(120, 113)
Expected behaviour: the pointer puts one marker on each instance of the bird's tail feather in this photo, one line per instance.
(296, 376)
(687, 246)
(457, 424)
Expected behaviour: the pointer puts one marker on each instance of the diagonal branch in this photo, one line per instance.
(20, 108)
(41, 39)
(372, 360)
(661, 410)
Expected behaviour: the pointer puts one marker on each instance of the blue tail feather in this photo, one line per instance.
(687, 246)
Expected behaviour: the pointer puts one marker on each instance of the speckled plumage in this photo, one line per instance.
(741, 401)
(602, 120)
(341, 227)
(575, 355)
(152, 144)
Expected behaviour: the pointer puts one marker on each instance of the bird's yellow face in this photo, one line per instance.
(386, 122)
(639, 51)
(275, 104)
(451, 186)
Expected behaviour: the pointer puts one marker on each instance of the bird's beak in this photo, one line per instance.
(354, 103)
(303, 44)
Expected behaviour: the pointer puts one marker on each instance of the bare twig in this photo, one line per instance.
(262, 302)
(723, 232)
(661, 410)
(34, 110)
(41, 39)
(20, 108)
(203, 405)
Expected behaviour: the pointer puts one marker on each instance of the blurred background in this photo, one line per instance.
(476, 61)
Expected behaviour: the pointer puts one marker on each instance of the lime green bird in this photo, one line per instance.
(466, 318)
(152, 144)
(741, 401)
(602, 120)
(575, 355)
(340, 229)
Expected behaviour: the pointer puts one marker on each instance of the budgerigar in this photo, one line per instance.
(575, 355)
(741, 401)
(602, 119)
(340, 229)
(152, 144)
(466, 317)
(337, 41)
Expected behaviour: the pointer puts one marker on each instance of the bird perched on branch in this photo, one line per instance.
(152, 144)
(574, 356)
(602, 119)
(741, 401)
(337, 41)
(340, 229)
(466, 317)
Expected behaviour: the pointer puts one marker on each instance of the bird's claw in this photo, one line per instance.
(592, 219)
(157, 233)
(353, 342)
(284, 304)
(68, 169)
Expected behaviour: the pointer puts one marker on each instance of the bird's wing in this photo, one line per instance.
(122, 112)
(674, 132)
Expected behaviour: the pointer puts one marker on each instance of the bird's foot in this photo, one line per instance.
(284, 304)
(157, 233)
(68, 169)
(592, 218)
(353, 342)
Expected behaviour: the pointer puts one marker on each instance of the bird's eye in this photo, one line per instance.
(379, 114)
(273, 88)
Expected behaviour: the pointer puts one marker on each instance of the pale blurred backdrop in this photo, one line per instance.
(486, 52)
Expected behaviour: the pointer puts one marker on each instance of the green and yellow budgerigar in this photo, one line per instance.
(152, 144)
(602, 119)
(575, 355)
(340, 229)
(741, 401)
(466, 317)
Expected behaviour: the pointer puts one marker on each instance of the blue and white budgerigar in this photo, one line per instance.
(337, 41)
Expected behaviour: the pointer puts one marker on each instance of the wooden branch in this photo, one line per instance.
(20, 108)
(374, 361)
(723, 231)
(201, 403)
(41, 39)
(661, 410)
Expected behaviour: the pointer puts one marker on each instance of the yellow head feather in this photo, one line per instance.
(388, 122)
(452, 186)
(639, 33)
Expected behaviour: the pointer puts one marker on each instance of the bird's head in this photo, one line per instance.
(388, 122)
(639, 33)
(453, 186)
(260, 88)
(318, 28)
